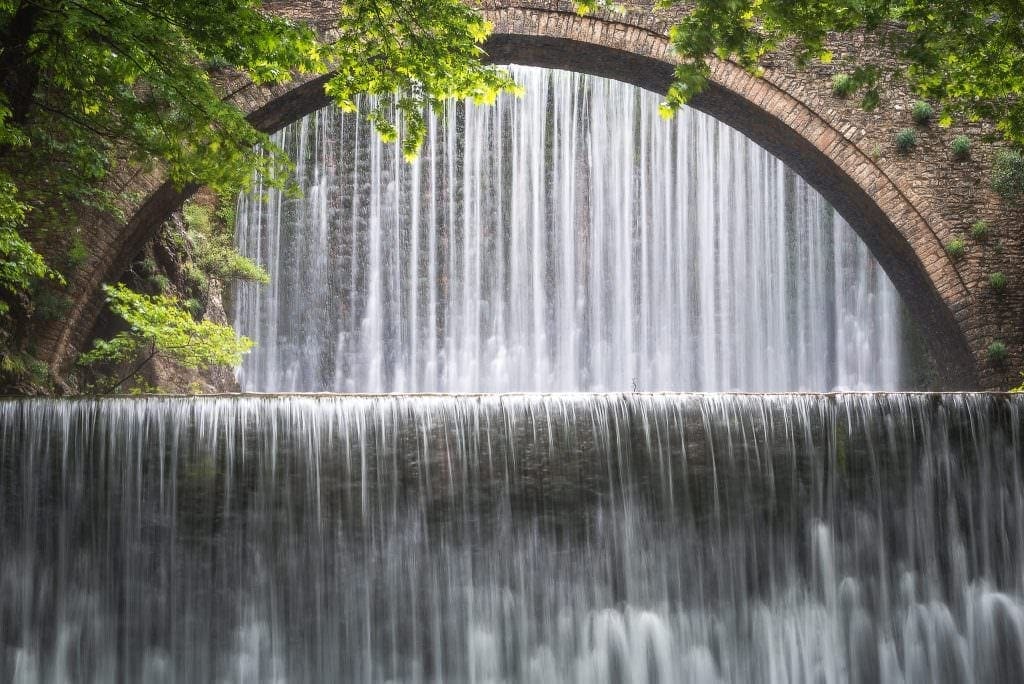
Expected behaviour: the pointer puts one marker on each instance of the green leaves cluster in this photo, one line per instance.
(966, 55)
(412, 55)
(89, 85)
(213, 250)
(1008, 175)
(158, 325)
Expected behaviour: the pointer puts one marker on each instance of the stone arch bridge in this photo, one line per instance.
(904, 207)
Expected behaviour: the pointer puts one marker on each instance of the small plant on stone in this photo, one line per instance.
(843, 85)
(955, 248)
(979, 229)
(997, 351)
(1008, 175)
(961, 147)
(997, 281)
(159, 283)
(906, 140)
(922, 113)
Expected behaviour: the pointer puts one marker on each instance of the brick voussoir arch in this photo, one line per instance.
(900, 230)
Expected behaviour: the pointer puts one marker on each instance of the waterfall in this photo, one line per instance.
(565, 537)
(570, 240)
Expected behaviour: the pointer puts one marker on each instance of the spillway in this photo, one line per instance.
(502, 508)
(566, 537)
(570, 240)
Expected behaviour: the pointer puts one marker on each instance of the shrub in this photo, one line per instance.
(906, 140)
(148, 267)
(955, 248)
(998, 281)
(77, 252)
(997, 351)
(195, 279)
(1008, 175)
(197, 217)
(979, 229)
(195, 307)
(159, 282)
(961, 147)
(922, 113)
(843, 85)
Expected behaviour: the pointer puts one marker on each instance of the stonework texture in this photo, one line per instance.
(905, 207)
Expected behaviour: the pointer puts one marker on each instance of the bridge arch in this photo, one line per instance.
(902, 230)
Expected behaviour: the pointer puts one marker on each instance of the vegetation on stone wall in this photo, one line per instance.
(1008, 175)
(156, 324)
(94, 85)
(965, 55)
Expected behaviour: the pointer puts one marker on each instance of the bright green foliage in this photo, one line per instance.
(214, 253)
(997, 351)
(1008, 175)
(955, 248)
(843, 85)
(1019, 388)
(979, 229)
(997, 281)
(88, 85)
(412, 56)
(961, 147)
(159, 325)
(922, 113)
(906, 140)
(965, 55)
(20, 264)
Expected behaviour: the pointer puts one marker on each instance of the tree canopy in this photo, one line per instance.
(86, 85)
(966, 55)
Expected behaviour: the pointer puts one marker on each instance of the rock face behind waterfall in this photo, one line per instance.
(513, 538)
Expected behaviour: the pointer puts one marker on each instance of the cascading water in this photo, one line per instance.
(568, 240)
(589, 538)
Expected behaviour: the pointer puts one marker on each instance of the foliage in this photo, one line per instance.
(214, 254)
(1020, 388)
(843, 85)
(21, 369)
(979, 229)
(922, 112)
(412, 56)
(1008, 175)
(90, 85)
(906, 140)
(159, 282)
(965, 55)
(955, 248)
(961, 147)
(997, 351)
(20, 264)
(997, 281)
(159, 325)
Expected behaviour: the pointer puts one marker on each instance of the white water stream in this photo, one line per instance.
(567, 240)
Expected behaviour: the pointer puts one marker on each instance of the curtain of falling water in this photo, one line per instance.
(587, 538)
(568, 240)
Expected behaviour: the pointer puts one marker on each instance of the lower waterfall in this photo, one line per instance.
(565, 537)
(570, 240)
